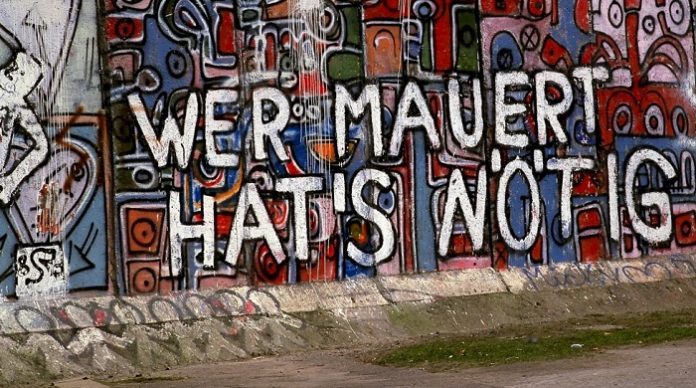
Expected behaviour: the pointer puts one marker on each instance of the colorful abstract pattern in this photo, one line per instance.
(166, 145)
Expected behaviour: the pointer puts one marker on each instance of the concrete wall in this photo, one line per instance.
(152, 146)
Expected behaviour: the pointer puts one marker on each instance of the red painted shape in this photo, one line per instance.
(685, 228)
(591, 248)
(325, 266)
(501, 7)
(537, 253)
(582, 15)
(628, 243)
(536, 8)
(589, 219)
(225, 32)
(442, 33)
(123, 29)
(384, 10)
(553, 53)
(587, 183)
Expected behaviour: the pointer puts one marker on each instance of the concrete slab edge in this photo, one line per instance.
(35, 316)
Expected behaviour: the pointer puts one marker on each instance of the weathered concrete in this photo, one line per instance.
(65, 337)
(598, 274)
(44, 315)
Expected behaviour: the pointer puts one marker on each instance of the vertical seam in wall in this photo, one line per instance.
(107, 151)
(500, 277)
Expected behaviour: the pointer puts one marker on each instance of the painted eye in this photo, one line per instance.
(286, 62)
(207, 171)
(261, 177)
(654, 120)
(536, 7)
(314, 222)
(424, 9)
(623, 120)
(680, 123)
(78, 171)
(615, 14)
(125, 29)
(298, 110)
(144, 177)
(387, 201)
(176, 64)
(676, 11)
(148, 80)
(331, 22)
(649, 24)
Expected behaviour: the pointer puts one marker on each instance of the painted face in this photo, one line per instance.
(609, 17)
(665, 30)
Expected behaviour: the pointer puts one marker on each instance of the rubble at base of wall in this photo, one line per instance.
(118, 335)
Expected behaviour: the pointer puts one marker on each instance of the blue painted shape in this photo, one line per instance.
(424, 224)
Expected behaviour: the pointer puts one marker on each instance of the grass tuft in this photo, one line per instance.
(543, 342)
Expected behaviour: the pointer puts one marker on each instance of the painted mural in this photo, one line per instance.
(152, 146)
(53, 182)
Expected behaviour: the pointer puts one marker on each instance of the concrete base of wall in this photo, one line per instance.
(49, 339)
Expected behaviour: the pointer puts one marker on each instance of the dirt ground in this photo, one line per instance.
(665, 365)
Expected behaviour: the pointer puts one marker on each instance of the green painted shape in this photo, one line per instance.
(467, 30)
(427, 49)
(344, 66)
(353, 24)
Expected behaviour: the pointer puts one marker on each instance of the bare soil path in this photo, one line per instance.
(664, 365)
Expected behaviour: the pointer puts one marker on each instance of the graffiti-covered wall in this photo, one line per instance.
(150, 146)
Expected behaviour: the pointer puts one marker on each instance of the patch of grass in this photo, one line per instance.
(544, 341)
